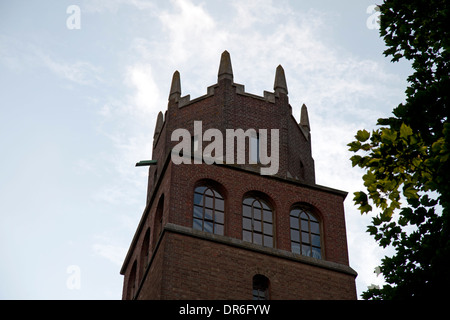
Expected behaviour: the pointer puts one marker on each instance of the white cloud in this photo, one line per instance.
(146, 96)
(115, 254)
(80, 72)
(20, 56)
(100, 6)
(189, 27)
(252, 12)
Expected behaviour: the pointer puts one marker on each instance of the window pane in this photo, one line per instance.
(248, 201)
(198, 212)
(254, 150)
(257, 214)
(315, 227)
(198, 199)
(305, 226)
(312, 218)
(268, 229)
(217, 195)
(257, 238)
(268, 241)
(316, 253)
(247, 236)
(305, 237)
(220, 204)
(218, 229)
(208, 214)
(295, 213)
(267, 216)
(197, 224)
(306, 250)
(295, 235)
(303, 215)
(247, 224)
(209, 193)
(257, 226)
(208, 226)
(265, 206)
(315, 239)
(295, 247)
(200, 190)
(256, 204)
(218, 217)
(208, 202)
(294, 223)
(246, 211)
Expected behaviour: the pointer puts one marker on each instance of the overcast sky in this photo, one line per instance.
(79, 100)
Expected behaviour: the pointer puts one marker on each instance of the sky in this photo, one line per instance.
(81, 83)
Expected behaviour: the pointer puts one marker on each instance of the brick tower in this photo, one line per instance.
(225, 230)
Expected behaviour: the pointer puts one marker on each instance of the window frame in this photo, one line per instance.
(132, 282)
(300, 244)
(145, 252)
(254, 152)
(217, 212)
(260, 287)
(260, 223)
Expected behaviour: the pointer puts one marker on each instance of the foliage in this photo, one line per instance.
(406, 160)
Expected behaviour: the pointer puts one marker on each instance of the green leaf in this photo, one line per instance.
(365, 208)
(362, 135)
(372, 230)
(410, 193)
(354, 146)
(355, 160)
(388, 135)
(405, 131)
(360, 197)
(437, 146)
(376, 221)
(402, 221)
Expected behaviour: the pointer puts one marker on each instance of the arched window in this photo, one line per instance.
(132, 287)
(157, 224)
(209, 208)
(305, 233)
(257, 222)
(144, 253)
(260, 287)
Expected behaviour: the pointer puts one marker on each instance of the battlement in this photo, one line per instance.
(239, 89)
(226, 73)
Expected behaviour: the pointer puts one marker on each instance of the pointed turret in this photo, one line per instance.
(225, 69)
(304, 119)
(280, 85)
(175, 88)
(158, 126)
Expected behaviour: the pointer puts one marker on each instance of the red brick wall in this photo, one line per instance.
(178, 186)
(194, 268)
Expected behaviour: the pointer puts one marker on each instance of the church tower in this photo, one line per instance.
(227, 229)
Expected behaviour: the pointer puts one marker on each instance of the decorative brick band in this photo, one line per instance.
(170, 227)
